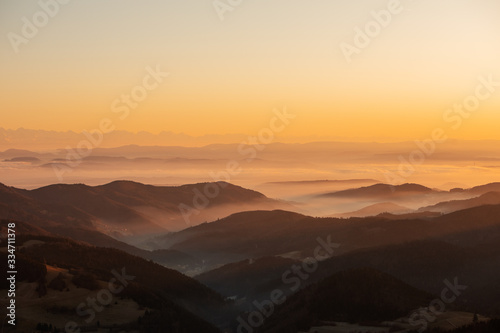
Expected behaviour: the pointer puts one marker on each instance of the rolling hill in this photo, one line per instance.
(376, 209)
(482, 189)
(85, 269)
(270, 233)
(381, 191)
(125, 208)
(358, 295)
(488, 198)
(251, 279)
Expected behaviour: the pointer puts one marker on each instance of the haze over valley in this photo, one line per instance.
(229, 166)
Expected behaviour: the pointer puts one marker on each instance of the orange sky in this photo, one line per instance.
(227, 76)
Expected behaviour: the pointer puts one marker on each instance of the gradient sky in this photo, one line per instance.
(227, 76)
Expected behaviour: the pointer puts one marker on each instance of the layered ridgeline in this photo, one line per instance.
(422, 264)
(271, 233)
(245, 255)
(125, 208)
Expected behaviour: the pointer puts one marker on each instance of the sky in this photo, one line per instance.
(228, 69)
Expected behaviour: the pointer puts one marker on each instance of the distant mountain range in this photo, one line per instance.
(48, 147)
(23, 138)
(41, 139)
